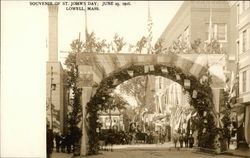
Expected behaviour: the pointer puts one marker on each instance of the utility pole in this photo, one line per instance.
(51, 109)
(86, 29)
(52, 87)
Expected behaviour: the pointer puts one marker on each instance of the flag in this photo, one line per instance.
(233, 85)
(210, 29)
(150, 24)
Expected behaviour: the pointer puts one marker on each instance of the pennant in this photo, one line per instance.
(151, 67)
(164, 70)
(204, 113)
(204, 130)
(194, 94)
(131, 73)
(187, 84)
(201, 81)
(204, 78)
(115, 82)
(178, 77)
(205, 121)
(146, 69)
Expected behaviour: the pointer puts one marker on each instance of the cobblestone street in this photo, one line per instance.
(157, 151)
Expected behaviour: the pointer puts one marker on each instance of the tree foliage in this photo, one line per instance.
(141, 44)
(135, 87)
(118, 43)
(72, 77)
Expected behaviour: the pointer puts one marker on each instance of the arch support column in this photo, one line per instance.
(86, 94)
(85, 82)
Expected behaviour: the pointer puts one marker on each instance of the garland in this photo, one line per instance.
(199, 90)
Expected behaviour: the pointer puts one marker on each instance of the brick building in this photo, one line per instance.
(231, 27)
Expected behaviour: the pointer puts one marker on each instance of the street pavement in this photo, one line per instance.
(61, 155)
(156, 151)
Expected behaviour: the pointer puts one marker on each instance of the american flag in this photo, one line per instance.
(150, 36)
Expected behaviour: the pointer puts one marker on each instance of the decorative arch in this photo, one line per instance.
(199, 89)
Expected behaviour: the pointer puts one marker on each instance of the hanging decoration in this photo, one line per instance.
(204, 130)
(164, 70)
(178, 77)
(204, 113)
(131, 73)
(187, 84)
(115, 82)
(194, 94)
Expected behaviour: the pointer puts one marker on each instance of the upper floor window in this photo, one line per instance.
(244, 41)
(243, 5)
(219, 32)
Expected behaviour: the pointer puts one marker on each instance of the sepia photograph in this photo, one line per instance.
(141, 79)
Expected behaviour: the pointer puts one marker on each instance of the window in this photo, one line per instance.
(244, 41)
(219, 31)
(244, 81)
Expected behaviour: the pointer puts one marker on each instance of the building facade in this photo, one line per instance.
(241, 25)
(114, 119)
(229, 24)
(56, 91)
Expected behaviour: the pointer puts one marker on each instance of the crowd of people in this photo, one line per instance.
(183, 139)
(61, 142)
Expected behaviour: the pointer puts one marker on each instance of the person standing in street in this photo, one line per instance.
(68, 141)
(49, 141)
(175, 140)
(181, 140)
(191, 141)
(58, 141)
(63, 143)
(186, 140)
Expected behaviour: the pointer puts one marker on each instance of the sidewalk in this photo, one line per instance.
(244, 152)
(61, 155)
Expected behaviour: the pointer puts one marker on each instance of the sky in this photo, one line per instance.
(24, 32)
(129, 22)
